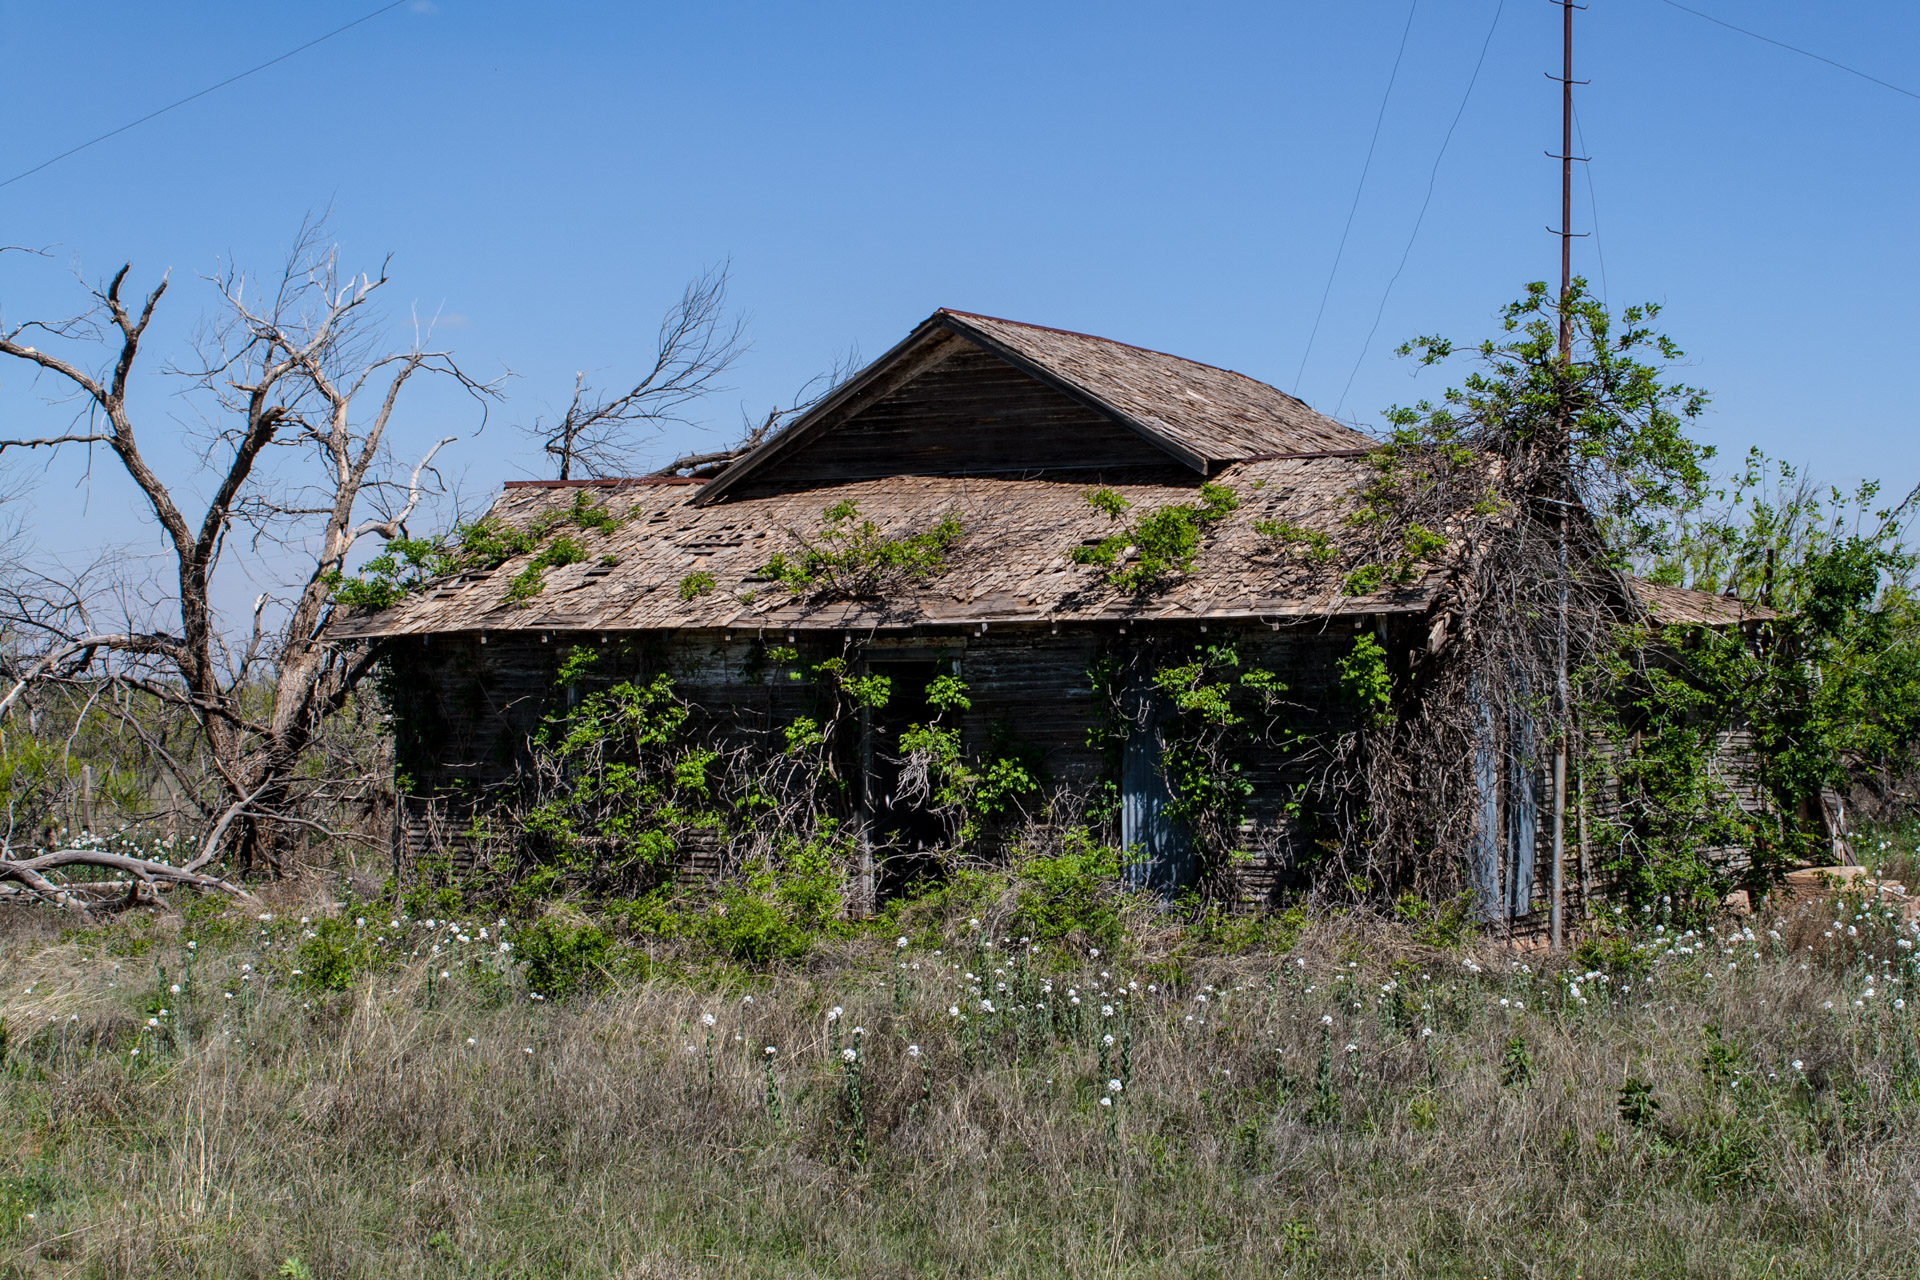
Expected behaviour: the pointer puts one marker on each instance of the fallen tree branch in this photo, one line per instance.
(28, 871)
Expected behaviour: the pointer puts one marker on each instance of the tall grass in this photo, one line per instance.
(1732, 1103)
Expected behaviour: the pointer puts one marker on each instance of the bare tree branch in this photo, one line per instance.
(599, 435)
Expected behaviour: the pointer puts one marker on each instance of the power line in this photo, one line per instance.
(1361, 186)
(1593, 203)
(1432, 178)
(151, 115)
(1781, 44)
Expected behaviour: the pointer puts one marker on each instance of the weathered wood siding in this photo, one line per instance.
(973, 412)
(466, 712)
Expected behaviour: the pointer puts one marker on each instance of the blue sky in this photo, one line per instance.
(547, 176)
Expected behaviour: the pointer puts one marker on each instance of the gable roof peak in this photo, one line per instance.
(1200, 415)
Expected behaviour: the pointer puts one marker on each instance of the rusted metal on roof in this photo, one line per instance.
(1198, 415)
(1012, 565)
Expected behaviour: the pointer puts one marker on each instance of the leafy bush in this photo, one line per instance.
(1288, 536)
(336, 953)
(1442, 927)
(970, 792)
(1365, 680)
(778, 910)
(563, 957)
(853, 558)
(1159, 544)
(531, 581)
(1073, 892)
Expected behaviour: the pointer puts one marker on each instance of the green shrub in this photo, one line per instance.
(780, 909)
(531, 581)
(1613, 953)
(1075, 891)
(1163, 542)
(563, 958)
(337, 952)
(851, 557)
(1442, 927)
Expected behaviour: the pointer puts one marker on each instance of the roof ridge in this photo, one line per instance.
(1131, 346)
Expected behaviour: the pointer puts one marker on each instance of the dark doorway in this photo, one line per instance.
(906, 833)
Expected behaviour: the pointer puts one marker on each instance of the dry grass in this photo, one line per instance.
(403, 1128)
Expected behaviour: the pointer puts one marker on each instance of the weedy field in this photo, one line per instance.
(329, 1089)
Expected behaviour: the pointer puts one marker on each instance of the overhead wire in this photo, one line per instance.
(1593, 204)
(171, 106)
(1359, 187)
(1791, 48)
(1433, 177)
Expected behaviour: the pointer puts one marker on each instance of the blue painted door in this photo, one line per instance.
(1156, 845)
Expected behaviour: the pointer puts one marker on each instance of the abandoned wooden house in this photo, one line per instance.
(1003, 429)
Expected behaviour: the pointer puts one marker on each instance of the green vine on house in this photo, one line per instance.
(852, 557)
(1220, 709)
(1156, 546)
(971, 793)
(405, 566)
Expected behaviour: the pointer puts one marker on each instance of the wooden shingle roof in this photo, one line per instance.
(1011, 564)
(1684, 606)
(1218, 414)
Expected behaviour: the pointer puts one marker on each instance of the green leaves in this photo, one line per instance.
(405, 565)
(1365, 680)
(1286, 535)
(1159, 544)
(1217, 715)
(531, 580)
(854, 558)
(970, 792)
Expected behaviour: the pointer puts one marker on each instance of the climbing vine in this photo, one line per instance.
(852, 557)
(408, 565)
(970, 793)
(1154, 547)
(1217, 711)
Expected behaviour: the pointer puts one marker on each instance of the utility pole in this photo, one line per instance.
(1566, 175)
(1563, 694)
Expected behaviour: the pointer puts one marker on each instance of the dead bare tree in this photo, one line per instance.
(598, 435)
(297, 395)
